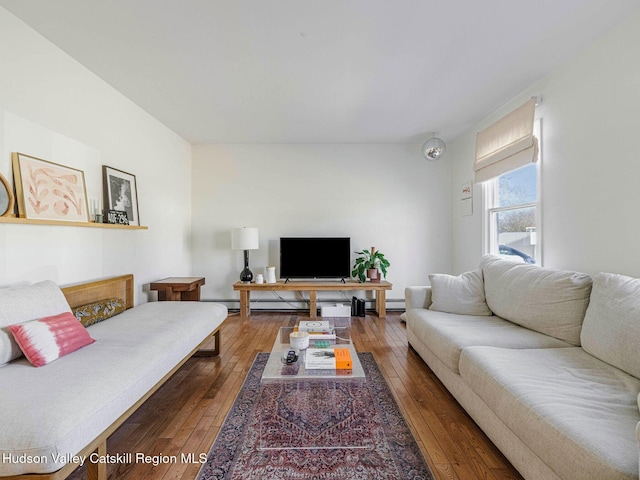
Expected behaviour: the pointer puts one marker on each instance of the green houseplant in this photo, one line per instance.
(367, 265)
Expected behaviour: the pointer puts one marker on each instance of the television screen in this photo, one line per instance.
(319, 257)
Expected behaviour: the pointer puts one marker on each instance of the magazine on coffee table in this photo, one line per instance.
(320, 359)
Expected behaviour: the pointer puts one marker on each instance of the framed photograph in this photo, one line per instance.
(49, 191)
(121, 193)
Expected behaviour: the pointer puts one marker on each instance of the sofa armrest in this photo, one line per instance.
(417, 297)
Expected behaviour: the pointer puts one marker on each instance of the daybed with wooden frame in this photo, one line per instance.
(70, 406)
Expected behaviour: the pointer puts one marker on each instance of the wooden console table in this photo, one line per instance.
(312, 287)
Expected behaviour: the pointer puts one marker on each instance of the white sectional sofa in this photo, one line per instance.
(546, 362)
(58, 415)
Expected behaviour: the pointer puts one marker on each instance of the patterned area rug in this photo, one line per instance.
(318, 430)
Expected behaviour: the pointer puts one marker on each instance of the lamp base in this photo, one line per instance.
(246, 275)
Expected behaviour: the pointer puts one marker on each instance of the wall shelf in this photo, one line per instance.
(29, 221)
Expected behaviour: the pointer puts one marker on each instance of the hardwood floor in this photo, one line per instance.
(185, 414)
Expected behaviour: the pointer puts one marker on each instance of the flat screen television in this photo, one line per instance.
(315, 257)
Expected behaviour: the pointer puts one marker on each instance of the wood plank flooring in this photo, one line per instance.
(184, 415)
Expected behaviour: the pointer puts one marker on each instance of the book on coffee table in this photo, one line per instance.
(315, 326)
(328, 359)
(320, 359)
(343, 359)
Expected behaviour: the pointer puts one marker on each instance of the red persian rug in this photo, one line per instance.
(318, 430)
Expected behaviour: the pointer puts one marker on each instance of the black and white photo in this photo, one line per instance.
(121, 193)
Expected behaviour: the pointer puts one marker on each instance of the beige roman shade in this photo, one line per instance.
(507, 144)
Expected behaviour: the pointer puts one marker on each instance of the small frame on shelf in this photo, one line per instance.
(117, 217)
(121, 193)
(49, 191)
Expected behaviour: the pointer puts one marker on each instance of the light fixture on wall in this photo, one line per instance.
(245, 239)
(433, 149)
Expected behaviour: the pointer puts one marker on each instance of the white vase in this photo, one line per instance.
(270, 274)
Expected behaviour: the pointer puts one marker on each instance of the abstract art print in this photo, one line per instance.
(121, 193)
(49, 191)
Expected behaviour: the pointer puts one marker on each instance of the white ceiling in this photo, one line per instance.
(323, 71)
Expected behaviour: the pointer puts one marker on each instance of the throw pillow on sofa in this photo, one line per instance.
(548, 301)
(611, 329)
(99, 311)
(44, 340)
(463, 294)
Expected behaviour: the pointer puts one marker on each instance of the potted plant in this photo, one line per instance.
(368, 264)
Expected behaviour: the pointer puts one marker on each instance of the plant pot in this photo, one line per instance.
(373, 275)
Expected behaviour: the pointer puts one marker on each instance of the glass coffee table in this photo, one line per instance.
(275, 370)
(310, 408)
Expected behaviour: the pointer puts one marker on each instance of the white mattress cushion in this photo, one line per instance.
(61, 407)
(24, 303)
(611, 329)
(548, 301)
(463, 294)
(574, 411)
(446, 334)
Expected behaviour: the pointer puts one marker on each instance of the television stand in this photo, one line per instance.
(313, 287)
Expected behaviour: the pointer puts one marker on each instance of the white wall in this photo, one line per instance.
(590, 161)
(385, 196)
(53, 108)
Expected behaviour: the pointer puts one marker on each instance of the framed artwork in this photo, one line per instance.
(121, 193)
(49, 191)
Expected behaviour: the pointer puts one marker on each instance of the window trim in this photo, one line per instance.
(489, 200)
(489, 195)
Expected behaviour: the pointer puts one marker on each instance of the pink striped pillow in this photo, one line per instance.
(44, 340)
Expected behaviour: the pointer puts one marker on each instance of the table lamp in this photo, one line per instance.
(245, 239)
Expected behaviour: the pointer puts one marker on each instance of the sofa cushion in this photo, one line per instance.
(47, 339)
(23, 303)
(574, 411)
(446, 334)
(463, 294)
(611, 329)
(548, 301)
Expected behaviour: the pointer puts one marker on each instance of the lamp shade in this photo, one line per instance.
(245, 239)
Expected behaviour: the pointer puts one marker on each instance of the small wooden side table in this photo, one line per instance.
(178, 289)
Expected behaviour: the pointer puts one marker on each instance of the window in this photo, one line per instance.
(511, 224)
(506, 164)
